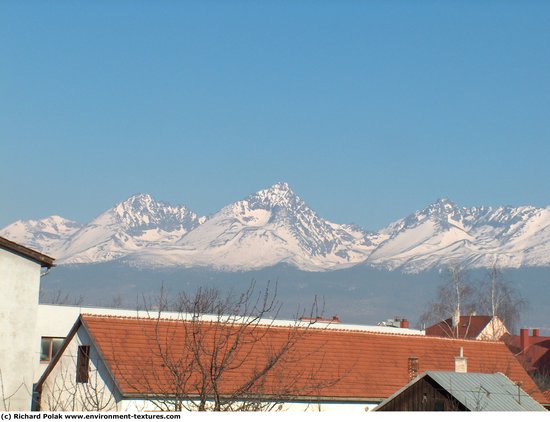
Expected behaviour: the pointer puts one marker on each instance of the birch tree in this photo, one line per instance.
(498, 297)
(458, 295)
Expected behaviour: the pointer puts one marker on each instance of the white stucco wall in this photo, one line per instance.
(341, 407)
(19, 340)
(494, 330)
(57, 321)
(60, 391)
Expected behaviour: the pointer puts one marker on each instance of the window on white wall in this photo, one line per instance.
(49, 347)
(82, 363)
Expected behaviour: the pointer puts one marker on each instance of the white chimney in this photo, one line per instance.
(461, 363)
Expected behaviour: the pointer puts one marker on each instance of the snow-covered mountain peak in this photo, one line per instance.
(278, 195)
(444, 203)
(271, 226)
(51, 224)
(138, 204)
(56, 219)
(133, 207)
(274, 225)
(135, 223)
(440, 209)
(137, 201)
(441, 213)
(141, 211)
(284, 207)
(43, 235)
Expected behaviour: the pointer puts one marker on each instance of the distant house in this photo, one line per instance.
(475, 327)
(117, 361)
(533, 352)
(455, 391)
(20, 270)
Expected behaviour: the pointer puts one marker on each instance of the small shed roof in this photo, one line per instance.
(492, 392)
(479, 391)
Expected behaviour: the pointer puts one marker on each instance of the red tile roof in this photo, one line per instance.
(345, 364)
(469, 326)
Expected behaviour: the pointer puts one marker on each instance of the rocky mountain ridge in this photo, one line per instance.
(275, 226)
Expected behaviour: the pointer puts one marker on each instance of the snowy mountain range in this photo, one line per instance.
(276, 226)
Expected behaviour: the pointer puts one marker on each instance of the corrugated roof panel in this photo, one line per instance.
(486, 392)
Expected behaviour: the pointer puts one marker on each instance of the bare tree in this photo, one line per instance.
(497, 297)
(225, 353)
(6, 396)
(457, 296)
(59, 297)
(116, 302)
(63, 393)
(541, 377)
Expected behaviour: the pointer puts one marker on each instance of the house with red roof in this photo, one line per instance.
(533, 352)
(120, 363)
(476, 327)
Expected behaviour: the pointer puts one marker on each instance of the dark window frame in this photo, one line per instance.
(50, 354)
(83, 364)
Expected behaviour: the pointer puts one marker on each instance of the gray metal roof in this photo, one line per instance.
(485, 392)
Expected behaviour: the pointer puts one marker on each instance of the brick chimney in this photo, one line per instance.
(461, 362)
(413, 367)
(524, 338)
(404, 323)
(536, 332)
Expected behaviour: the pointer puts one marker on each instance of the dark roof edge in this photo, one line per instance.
(53, 362)
(266, 397)
(43, 260)
(407, 385)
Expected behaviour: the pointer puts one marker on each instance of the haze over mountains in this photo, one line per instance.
(275, 226)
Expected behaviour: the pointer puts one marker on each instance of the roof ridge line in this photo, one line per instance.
(332, 329)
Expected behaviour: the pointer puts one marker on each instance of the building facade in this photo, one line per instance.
(20, 270)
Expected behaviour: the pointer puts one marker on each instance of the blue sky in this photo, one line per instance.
(370, 110)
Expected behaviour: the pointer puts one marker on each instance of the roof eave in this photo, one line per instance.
(266, 397)
(40, 258)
